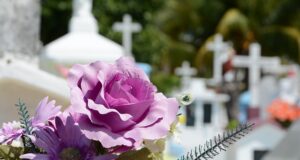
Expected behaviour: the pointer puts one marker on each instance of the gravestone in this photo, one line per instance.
(269, 90)
(186, 72)
(207, 100)
(82, 44)
(20, 26)
(204, 125)
(22, 80)
(288, 147)
(255, 63)
(127, 27)
(288, 89)
(262, 139)
(288, 85)
(196, 131)
(221, 55)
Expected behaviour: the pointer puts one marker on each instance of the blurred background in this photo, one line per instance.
(238, 59)
(174, 30)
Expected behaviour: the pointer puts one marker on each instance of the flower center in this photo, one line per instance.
(70, 154)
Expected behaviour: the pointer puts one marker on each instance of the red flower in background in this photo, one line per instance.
(284, 111)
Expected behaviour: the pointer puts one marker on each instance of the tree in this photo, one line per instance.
(274, 24)
(150, 45)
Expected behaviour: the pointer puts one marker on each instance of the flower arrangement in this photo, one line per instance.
(116, 113)
(284, 112)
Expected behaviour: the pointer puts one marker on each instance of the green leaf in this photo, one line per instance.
(10, 153)
(143, 154)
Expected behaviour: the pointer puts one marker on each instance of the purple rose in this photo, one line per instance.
(118, 105)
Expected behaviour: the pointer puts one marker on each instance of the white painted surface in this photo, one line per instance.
(82, 44)
(20, 79)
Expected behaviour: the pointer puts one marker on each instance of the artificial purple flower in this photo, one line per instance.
(10, 134)
(64, 142)
(12, 131)
(118, 105)
(45, 111)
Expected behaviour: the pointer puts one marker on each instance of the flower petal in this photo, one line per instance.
(70, 133)
(111, 117)
(127, 66)
(164, 111)
(47, 140)
(35, 156)
(107, 138)
(45, 111)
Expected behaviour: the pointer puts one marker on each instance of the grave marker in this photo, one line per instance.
(220, 50)
(254, 62)
(127, 27)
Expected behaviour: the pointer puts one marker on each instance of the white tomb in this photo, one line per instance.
(192, 136)
(262, 138)
(127, 27)
(255, 63)
(221, 55)
(203, 95)
(25, 81)
(82, 44)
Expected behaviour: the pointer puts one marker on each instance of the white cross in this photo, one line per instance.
(127, 27)
(220, 50)
(82, 7)
(255, 63)
(186, 72)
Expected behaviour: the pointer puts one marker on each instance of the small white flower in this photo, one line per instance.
(185, 99)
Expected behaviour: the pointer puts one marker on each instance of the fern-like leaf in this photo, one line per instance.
(27, 127)
(24, 117)
(219, 143)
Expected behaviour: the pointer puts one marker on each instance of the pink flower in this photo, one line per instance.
(45, 111)
(10, 132)
(118, 105)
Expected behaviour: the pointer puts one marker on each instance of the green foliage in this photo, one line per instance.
(165, 82)
(10, 153)
(143, 154)
(27, 127)
(55, 18)
(24, 117)
(232, 124)
(176, 30)
(240, 21)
